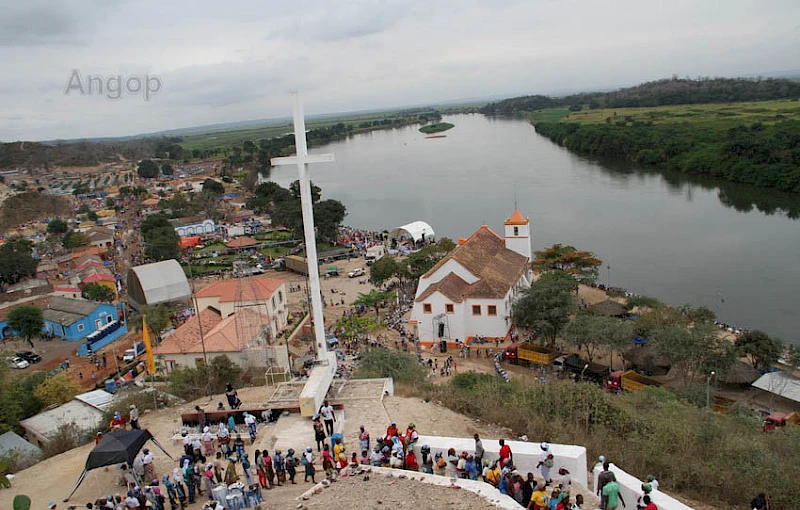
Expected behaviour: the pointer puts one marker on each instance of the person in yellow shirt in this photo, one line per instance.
(493, 474)
(338, 450)
(538, 498)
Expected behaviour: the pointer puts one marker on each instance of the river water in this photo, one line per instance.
(733, 248)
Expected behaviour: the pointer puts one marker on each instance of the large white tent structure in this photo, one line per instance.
(159, 282)
(418, 231)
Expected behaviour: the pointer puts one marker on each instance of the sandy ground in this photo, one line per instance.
(382, 492)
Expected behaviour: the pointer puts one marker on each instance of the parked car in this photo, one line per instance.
(355, 273)
(29, 356)
(19, 362)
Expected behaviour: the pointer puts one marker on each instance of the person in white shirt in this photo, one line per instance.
(327, 416)
(149, 469)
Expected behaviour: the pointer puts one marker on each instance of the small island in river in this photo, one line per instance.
(436, 128)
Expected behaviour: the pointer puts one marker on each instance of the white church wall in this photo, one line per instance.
(451, 266)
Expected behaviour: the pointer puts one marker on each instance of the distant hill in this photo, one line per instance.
(80, 153)
(673, 91)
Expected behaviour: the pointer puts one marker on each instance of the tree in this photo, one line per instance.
(27, 321)
(167, 170)
(58, 389)
(546, 306)
(422, 261)
(92, 216)
(147, 169)
(16, 261)
(374, 299)
(328, 215)
(759, 348)
(354, 326)
(161, 240)
(97, 292)
(74, 239)
(382, 270)
(694, 350)
(581, 264)
(594, 332)
(57, 226)
(213, 186)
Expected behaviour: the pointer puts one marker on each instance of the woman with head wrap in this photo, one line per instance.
(247, 468)
(258, 460)
(269, 469)
(280, 467)
(238, 445)
(188, 479)
(208, 478)
(208, 441)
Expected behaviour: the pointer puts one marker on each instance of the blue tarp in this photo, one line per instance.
(640, 340)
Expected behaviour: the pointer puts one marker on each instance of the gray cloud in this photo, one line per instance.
(222, 62)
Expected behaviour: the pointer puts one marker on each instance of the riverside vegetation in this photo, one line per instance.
(744, 131)
(719, 459)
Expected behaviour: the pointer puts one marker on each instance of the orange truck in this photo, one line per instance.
(526, 353)
(631, 381)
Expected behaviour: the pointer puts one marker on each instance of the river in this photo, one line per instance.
(733, 248)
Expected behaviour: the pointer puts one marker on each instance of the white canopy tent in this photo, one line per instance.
(416, 230)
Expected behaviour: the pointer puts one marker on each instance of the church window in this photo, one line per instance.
(476, 309)
(491, 310)
(449, 308)
(427, 308)
(516, 231)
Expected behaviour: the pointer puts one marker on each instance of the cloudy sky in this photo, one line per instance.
(232, 61)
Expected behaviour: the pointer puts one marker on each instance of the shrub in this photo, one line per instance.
(400, 366)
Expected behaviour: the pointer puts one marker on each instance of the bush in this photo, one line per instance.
(192, 383)
(400, 366)
(56, 390)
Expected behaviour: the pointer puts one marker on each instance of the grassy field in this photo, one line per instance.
(436, 128)
(721, 115)
(226, 137)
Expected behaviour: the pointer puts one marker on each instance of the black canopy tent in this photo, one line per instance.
(116, 448)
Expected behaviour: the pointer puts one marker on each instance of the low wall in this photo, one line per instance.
(317, 385)
(526, 454)
(83, 350)
(631, 487)
(486, 491)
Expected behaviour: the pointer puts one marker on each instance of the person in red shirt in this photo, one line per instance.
(391, 431)
(649, 505)
(506, 457)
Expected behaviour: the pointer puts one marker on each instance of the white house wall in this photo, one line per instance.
(462, 324)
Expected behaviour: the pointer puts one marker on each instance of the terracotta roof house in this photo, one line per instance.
(100, 237)
(470, 291)
(242, 242)
(265, 295)
(240, 337)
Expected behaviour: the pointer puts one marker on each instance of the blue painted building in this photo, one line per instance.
(79, 319)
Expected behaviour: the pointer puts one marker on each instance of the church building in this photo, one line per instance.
(470, 291)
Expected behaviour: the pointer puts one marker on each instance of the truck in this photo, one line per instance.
(375, 253)
(297, 264)
(574, 364)
(132, 354)
(526, 353)
(631, 381)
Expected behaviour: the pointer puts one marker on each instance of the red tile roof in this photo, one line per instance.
(219, 335)
(252, 289)
(517, 219)
(484, 255)
(242, 242)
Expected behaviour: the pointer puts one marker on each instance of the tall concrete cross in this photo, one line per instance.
(302, 160)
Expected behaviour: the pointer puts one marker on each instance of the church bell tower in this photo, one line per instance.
(518, 234)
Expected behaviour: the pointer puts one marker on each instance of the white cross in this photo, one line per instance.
(302, 160)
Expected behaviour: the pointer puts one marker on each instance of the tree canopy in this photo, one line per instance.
(58, 389)
(160, 238)
(147, 169)
(594, 333)
(546, 306)
(97, 292)
(284, 207)
(693, 351)
(213, 186)
(375, 299)
(27, 321)
(16, 261)
(582, 265)
(74, 239)
(57, 226)
(759, 348)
